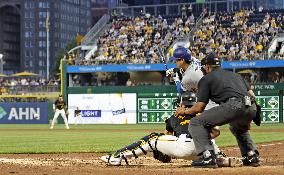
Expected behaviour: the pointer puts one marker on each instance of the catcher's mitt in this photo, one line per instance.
(161, 157)
(229, 162)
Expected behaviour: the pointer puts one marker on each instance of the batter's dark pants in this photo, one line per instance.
(233, 112)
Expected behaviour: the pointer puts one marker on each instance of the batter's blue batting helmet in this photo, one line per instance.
(181, 53)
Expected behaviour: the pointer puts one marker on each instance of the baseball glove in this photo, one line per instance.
(161, 157)
(229, 162)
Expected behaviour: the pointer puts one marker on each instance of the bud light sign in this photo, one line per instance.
(24, 113)
(91, 113)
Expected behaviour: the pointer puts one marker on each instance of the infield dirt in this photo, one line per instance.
(272, 159)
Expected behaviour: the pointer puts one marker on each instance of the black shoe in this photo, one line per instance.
(205, 161)
(252, 159)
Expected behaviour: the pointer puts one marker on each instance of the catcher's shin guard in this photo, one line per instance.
(137, 148)
(215, 146)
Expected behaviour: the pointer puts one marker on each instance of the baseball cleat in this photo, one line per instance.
(208, 160)
(252, 159)
(110, 160)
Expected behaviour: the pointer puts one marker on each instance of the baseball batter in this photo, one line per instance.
(175, 142)
(59, 107)
(188, 72)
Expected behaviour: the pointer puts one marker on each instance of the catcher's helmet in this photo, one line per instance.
(188, 99)
(181, 53)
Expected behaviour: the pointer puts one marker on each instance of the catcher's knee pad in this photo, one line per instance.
(151, 136)
(155, 134)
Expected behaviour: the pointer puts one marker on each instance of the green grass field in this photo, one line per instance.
(102, 138)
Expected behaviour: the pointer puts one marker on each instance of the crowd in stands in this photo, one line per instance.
(23, 99)
(17, 85)
(240, 35)
(100, 79)
(264, 77)
(124, 79)
(133, 39)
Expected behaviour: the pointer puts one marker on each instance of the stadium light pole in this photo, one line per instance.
(47, 44)
(1, 63)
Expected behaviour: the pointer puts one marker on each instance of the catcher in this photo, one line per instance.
(175, 142)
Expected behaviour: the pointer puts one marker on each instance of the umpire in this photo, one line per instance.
(236, 108)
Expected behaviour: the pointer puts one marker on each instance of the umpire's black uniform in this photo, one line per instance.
(229, 90)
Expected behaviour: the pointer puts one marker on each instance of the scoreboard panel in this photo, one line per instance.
(155, 107)
(269, 108)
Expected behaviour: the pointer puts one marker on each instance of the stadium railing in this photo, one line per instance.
(189, 36)
(31, 89)
(95, 30)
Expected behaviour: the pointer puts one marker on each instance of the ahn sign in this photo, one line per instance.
(24, 113)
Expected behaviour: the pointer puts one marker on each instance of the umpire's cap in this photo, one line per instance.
(181, 53)
(211, 59)
(188, 98)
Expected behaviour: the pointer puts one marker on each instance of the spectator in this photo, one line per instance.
(234, 36)
(189, 10)
(3, 90)
(183, 11)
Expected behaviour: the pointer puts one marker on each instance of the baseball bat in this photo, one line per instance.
(162, 56)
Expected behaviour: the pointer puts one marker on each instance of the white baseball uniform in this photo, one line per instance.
(179, 145)
(192, 75)
(59, 106)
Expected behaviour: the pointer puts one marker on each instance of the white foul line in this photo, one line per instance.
(270, 144)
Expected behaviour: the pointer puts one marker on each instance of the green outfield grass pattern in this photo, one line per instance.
(102, 138)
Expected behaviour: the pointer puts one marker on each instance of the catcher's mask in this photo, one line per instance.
(188, 99)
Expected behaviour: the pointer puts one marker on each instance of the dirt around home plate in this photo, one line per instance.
(272, 158)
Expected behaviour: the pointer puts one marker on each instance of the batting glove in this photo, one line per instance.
(171, 72)
(176, 78)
